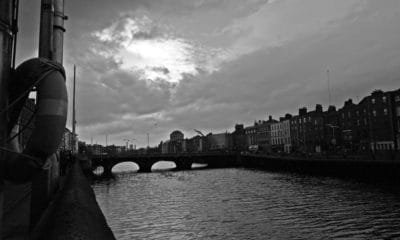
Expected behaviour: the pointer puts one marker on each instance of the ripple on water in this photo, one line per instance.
(246, 204)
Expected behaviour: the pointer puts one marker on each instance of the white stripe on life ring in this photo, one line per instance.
(52, 107)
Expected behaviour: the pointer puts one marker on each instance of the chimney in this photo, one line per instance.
(302, 111)
(318, 108)
(332, 109)
(348, 102)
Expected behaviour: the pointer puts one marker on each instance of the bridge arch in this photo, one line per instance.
(98, 170)
(127, 166)
(163, 165)
(199, 165)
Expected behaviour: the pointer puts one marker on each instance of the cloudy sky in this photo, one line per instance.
(153, 66)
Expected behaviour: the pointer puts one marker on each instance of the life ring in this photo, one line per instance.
(51, 114)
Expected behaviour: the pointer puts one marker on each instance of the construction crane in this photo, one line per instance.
(199, 132)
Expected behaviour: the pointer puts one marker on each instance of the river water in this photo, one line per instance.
(246, 204)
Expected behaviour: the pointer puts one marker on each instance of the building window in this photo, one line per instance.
(373, 101)
(398, 111)
(343, 115)
(385, 111)
(358, 113)
(374, 113)
(397, 98)
(384, 99)
(348, 114)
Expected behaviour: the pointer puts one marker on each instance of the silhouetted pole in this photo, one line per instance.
(6, 7)
(58, 31)
(50, 47)
(329, 86)
(46, 29)
(73, 114)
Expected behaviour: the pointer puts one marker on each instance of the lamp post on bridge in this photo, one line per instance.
(148, 134)
(127, 143)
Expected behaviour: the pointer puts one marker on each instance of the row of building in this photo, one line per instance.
(371, 125)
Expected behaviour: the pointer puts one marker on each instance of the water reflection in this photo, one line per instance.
(246, 204)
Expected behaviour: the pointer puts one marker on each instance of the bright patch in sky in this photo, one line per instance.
(165, 59)
(140, 48)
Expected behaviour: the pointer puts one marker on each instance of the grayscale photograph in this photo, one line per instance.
(199, 119)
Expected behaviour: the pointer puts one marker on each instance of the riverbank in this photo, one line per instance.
(75, 213)
(382, 170)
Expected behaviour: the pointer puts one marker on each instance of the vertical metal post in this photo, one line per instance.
(58, 31)
(329, 86)
(6, 10)
(73, 114)
(46, 29)
(43, 183)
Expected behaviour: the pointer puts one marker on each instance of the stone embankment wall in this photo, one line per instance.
(75, 213)
(375, 170)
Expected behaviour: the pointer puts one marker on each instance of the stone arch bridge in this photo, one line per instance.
(183, 161)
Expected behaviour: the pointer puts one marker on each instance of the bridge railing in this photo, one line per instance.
(149, 155)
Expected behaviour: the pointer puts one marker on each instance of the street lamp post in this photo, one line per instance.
(333, 141)
(148, 134)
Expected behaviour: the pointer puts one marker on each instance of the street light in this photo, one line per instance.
(333, 141)
(348, 137)
(148, 134)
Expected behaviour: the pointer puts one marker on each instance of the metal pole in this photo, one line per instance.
(6, 11)
(46, 29)
(15, 30)
(58, 31)
(73, 112)
(329, 86)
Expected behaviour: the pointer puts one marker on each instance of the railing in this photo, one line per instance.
(149, 155)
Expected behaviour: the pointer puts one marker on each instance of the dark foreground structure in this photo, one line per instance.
(74, 214)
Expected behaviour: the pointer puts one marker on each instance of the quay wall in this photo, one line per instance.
(74, 213)
(375, 170)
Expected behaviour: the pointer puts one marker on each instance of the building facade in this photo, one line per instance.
(280, 135)
(220, 142)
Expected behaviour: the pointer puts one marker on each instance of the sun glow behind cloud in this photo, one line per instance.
(139, 46)
(167, 59)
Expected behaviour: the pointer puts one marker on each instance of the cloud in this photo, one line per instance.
(210, 64)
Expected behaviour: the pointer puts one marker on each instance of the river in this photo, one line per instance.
(246, 204)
